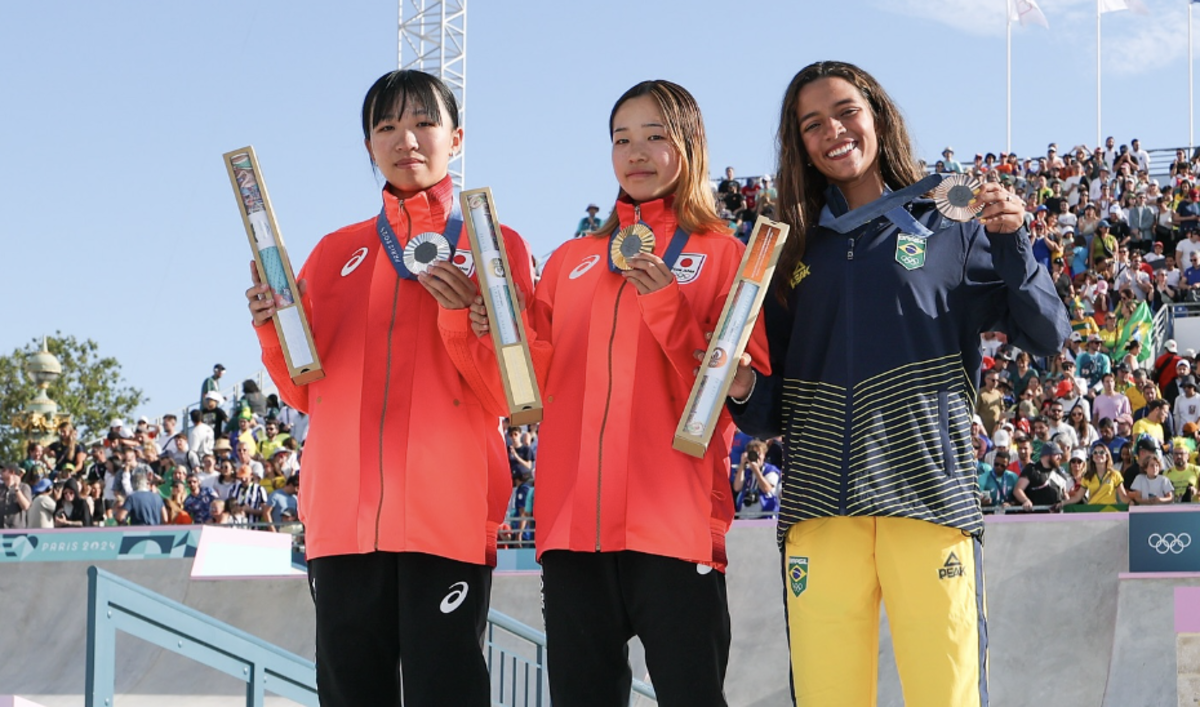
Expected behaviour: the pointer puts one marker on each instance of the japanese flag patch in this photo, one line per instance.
(464, 260)
(688, 266)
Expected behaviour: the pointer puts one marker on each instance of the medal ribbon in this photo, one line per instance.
(890, 204)
(674, 248)
(391, 244)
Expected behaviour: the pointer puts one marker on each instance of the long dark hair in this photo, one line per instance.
(801, 186)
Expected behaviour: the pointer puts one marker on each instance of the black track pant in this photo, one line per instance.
(384, 614)
(596, 602)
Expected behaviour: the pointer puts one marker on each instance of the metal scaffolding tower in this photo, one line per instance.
(433, 39)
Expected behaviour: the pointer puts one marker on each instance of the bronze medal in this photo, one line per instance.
(953, 197)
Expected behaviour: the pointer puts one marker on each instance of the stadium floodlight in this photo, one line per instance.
(433, 39)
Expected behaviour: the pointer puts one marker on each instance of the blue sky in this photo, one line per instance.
(117, 221)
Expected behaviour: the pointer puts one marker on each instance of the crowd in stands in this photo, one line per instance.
(1104, 421)
(234, 464)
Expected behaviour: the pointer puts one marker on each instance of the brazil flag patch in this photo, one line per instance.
(910, 251)
(797, 572)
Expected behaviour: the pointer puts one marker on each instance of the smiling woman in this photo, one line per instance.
(880, 302)
(624, 323)
(398, 580)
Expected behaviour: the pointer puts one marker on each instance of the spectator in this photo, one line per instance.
(1187, 405)
(588, 223)
(519, 461)
(990, 405)
(72, 511)
(174, 507)
(1183, 475)
(201, 437)
(1085, 434)
(252, 400)
(168, 434)
(1110, 403)
(226, 478)
(66, 449)
(35, 466)
(212, 383)
(182, 454)
(1042, 483)
(41, 511)
(1101, 484)
(144, 506)
(756, 483)
(16, 499)
(996, 481)
(272, 439)
(1150, 488)
(198, 503)
(177, 476)
(951, 164)
(207, 473)
(249, 496)
(212, 414)
(1093, 363)
(1165, 365)
(218, 514)
(1157, 412)
(244, 438)
(282, 502)
(244, 458)
(1188, 213)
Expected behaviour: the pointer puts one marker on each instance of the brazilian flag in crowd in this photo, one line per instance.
(1138, 326)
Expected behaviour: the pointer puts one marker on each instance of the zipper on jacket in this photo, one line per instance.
(612, 337)
(843, 491)
(387, 383)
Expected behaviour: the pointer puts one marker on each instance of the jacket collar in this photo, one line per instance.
(437, 201)
(658, 214)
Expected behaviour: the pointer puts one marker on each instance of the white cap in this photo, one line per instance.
(1172, 346)
(214, 395)
(116, 422)
(1001, 438)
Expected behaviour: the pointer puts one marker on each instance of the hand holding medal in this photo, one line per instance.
(961, 197)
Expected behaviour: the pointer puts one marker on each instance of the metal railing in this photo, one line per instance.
(116, 604)
(517, 677)
(516, 653)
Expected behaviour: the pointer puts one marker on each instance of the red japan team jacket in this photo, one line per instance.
(404, 452)
(620, 374)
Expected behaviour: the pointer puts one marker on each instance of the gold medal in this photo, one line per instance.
(630, 241)
(953, 197)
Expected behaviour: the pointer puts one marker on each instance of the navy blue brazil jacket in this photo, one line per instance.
(876, 364)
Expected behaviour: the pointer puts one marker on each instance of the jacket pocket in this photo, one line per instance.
(948, 459)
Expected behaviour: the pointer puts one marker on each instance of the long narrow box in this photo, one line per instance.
(500, 297)
(274, 267)
(745, 299)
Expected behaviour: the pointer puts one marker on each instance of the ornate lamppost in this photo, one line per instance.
(40, 418)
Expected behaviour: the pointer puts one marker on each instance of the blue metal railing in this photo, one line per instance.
(118, 604)
(518, 678)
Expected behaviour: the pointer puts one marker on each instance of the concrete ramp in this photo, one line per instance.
(1066, 627)
(1143, 669)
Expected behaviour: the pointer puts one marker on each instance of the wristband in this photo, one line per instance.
(746, 399)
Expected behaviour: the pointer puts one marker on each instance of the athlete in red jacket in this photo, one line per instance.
(405, 479)
(629, 530)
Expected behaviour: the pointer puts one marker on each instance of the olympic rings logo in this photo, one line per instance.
(1169, 542)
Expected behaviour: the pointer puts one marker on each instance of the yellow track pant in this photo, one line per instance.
(930, 578)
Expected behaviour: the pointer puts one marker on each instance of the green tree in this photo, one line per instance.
(90, 389)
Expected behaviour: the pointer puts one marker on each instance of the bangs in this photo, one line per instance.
(391, 95)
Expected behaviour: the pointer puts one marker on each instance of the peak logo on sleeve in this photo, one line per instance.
(688, 266)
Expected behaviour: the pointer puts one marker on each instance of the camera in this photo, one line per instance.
(752, 455)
